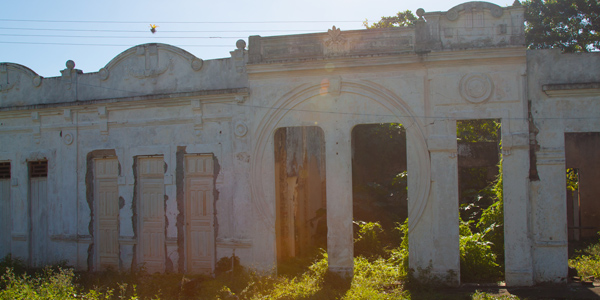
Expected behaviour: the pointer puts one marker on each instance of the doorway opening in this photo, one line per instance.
(481, 209)
(5, 210)
(582, 159)
(38, 214)
(301, 205)
(379, 187)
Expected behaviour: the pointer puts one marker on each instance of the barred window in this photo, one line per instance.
(4, 170)
(38, 169)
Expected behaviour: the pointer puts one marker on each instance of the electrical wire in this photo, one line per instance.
(122, 37)
(161, 31)
(176, 22)
(108, 45)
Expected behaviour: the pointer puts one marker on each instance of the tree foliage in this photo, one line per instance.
(478, 130)
(401, 19)
(570, 25)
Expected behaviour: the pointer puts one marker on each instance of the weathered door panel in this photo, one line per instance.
(200, 214)
(5, 217)
(107, 212)
(152, 243)
(38, 221)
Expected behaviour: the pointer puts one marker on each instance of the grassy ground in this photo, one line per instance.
(374, 278)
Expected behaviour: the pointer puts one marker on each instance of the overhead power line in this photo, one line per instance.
(123, 37)
(176, 22)
(161, 31)
(109, 45)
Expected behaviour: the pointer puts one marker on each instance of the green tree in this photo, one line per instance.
(401, 19)
(570, 25)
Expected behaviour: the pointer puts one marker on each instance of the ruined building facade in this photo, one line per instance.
(172, 162)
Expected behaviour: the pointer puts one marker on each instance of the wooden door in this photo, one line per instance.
(152, 193)
(200, 234)
(106, 198)
(38, 203)
(5, 213)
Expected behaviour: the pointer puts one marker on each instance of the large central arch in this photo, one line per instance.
(262, 163)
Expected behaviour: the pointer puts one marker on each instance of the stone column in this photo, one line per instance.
(338, 157)
(548, 205)
(515, 167)
(438, 227)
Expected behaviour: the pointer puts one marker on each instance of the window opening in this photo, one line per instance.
(38, 169)
(4, 170)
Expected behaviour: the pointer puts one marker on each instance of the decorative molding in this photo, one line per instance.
(104, 74)
(5, 80)
(240, 129)
(590, 89)
(152, 68)
(69, 75)
(168, 179)
(126, 240)
(37, 126)
(240, 98)
(335, 43)
(64, 238)
(197, 110)
(551, 244)
(197, 64)
(234, 243)
(495, 10)
(21, 237)
(476, 87)
(551, 156)
(36, 81)
(68, 138)
(243, 157)
(103, 116)
(68, 115)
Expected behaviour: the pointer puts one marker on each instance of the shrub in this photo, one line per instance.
(368, 242)
(587, 263)
(477, 260)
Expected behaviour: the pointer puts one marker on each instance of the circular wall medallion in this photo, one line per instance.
(197, 64)
(37, 81)
(67, 139)
(452, 14)
(103, 73)
(240, 129)
(476, 87)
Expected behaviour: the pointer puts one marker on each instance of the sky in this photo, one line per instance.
(43, 35)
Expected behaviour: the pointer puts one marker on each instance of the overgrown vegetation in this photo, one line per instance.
(587, 262)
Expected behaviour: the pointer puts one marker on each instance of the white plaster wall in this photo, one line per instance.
(571, 109)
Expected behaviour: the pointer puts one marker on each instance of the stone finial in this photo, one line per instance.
(70, 64)
(240, 44)
(516, 3)
(420, 13)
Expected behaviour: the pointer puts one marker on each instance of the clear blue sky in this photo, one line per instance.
(44, 47)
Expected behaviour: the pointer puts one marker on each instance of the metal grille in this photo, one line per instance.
(38, 169)
(4, 170)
